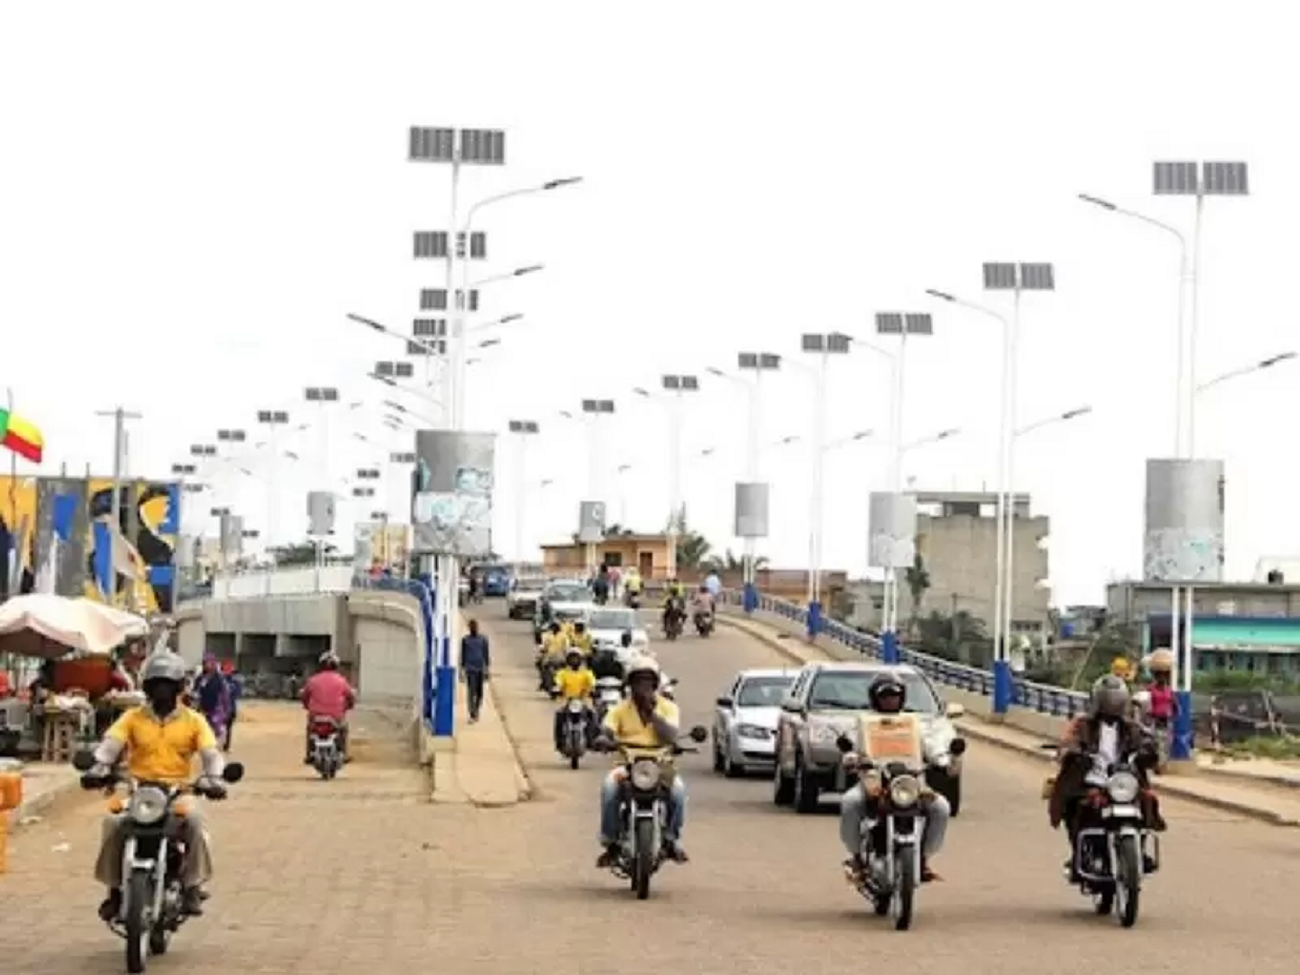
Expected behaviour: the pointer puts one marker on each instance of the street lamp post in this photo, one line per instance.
(1197, 180)
(622, 494)
(592, 411)
(746, 527)
(1247, 370)
(677, 385)
(523, 429)
(273, 420)
(323, 396)
(823, 345)
(1016, 278)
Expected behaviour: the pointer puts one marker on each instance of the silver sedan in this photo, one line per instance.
(744, 726)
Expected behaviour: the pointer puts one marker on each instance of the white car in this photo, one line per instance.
(744, 727)
(607, 624)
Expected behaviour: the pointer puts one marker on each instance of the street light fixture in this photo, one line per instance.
(592, 412)
(1052, 420)
(1262, 364)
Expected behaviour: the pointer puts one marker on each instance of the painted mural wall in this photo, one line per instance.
(87, 563)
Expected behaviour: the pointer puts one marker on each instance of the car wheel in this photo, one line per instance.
(732, 770)
(948, 786)
(719, 762)
(782, 788)
(806, 790)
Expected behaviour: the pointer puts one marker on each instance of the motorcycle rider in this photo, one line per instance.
(1164, 706)
(1092, 743)
(160, 740)
(674, 602)
(580, 639)
(702, 603)
(600, 585)
(328, 694)
(645, 719)
(574, 681)
(888, 695)
(550, 653)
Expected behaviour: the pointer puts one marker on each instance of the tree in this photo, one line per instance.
(692, 547)
(298, 553)
(730, 562)
(917, 577)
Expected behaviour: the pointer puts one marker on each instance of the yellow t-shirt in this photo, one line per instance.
(162, 751)
(581, 640)
(625, 726)
(554, 644)
(575, 683)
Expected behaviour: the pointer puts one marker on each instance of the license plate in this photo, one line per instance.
(1122, 811)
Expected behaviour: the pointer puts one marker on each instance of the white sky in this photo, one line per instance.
(193, 196)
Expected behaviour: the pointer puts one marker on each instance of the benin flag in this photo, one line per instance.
(21, 437)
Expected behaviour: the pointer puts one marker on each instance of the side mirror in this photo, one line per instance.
(233, 772)
(954, 710)
(958, 746)
(844, 743)
(699, 734)
(725, 702)
(792, 705)
(83, 760)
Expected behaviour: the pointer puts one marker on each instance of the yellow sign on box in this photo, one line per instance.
(889, 738)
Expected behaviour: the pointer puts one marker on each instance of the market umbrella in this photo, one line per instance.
(48, 626)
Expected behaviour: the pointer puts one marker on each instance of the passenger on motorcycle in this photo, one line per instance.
(574, 681)
(160, 740)
(328, 694)
(1093, 743)
(554, 643)
(674, 602)
(1164, 706)
(650, 721)
(888, 696)
(580, 640)
(702, 602)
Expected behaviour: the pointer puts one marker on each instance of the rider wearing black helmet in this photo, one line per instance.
(160, 740)
(888, 695)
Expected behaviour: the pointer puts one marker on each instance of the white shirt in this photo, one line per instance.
(1106, 755)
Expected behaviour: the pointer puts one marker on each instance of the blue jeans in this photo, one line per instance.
(611, 827)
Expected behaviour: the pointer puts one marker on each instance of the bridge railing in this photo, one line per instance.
(1044, 698)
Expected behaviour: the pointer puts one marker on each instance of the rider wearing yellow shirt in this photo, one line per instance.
(580, 639)
(573, 682)
(643, 720)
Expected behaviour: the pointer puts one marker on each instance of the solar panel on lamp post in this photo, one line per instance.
(523, 430)
(677, 385)
(323, 396)
(823, 345)
(592, 411)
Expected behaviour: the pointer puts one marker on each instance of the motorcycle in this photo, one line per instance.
(151, 860)
(891, 832)
(645, 780)
(576, 725)
(703, 623)
(673, 622)
(326, 756)
(609, 693)
(632, 600)
(1114, 847)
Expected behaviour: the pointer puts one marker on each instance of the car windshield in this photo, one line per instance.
(848, 690)
(569, 594)
(614, 619)
(763, 692)
(531, 585)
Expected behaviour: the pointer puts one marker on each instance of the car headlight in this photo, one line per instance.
(753, 731)
(148, 805)
(1123, 786)
(904, 791)
(645, 775)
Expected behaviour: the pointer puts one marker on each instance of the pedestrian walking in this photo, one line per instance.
(475, 662)
(234, 690)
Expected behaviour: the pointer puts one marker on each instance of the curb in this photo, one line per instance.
(775, 643)
(1280, 781)
(1164, 787)
(38, 806)
(523, 781)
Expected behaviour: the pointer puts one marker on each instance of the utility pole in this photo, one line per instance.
(120, 416)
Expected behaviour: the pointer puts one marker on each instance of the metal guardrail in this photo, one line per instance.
(1043, 698)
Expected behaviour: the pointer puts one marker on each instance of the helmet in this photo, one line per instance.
(643, 667)
(1119, 667)
(886, 685)
(163, 666)
(1110, 697)
(1161, 662)
(329, 659)
(626, 638)
(579, 625)
(572, 654)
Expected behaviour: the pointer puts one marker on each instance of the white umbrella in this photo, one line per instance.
(44, 625)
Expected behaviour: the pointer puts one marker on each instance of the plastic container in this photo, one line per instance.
(11, 785)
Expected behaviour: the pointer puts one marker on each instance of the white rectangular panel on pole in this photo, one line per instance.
(752, 500)
(1183, 541)
(591, 522)
(892, 529)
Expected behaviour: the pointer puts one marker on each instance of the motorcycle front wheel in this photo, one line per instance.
(139, 894)
(1128, 880)
(904, 890)
(643, 864)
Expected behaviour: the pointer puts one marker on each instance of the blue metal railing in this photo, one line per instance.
(1033, 696)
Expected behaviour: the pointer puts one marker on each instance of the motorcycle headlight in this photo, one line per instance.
(148, 805)
(753, 731)
(574, 706)
(905, 791)
(645, 775)
(1123, 786)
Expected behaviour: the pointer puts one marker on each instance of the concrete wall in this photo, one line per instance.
(387, 642)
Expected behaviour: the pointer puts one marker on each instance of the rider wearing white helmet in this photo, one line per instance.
(647, 720)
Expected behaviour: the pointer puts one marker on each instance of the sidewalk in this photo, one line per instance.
(44, 786)
(478, 765)
(1244, 791)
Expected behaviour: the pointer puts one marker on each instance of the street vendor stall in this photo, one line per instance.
(80, 687)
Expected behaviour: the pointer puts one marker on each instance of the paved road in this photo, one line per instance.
(331, 878)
